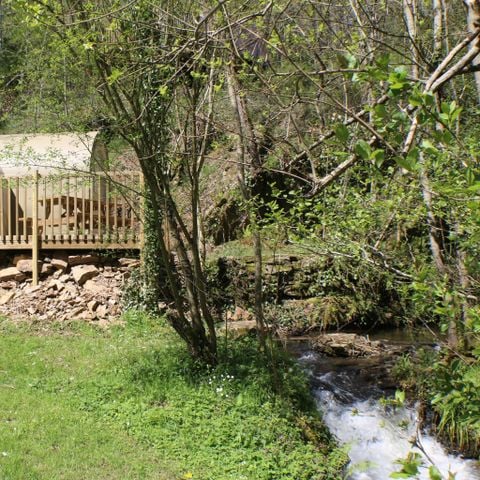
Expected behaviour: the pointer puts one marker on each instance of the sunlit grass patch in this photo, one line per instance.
(78, 402)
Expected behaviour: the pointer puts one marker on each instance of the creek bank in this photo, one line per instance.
(306, 293)
(352, 345)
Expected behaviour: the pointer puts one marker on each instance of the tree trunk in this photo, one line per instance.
(435, 227)
(191, 327)
(437, 248)
(437, 30)
(247, 142)
(473, 23)
(410, 14)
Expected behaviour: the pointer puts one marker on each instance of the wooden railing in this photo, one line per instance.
(71, 211)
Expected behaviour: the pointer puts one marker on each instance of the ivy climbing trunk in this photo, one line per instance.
(138, 70)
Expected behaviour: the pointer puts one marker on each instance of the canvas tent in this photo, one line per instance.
(20, 154)
(56, 193)
(51, 155)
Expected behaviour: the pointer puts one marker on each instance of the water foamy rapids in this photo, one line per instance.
(378, 436)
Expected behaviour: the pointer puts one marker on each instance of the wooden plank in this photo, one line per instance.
(2, 218)
(92, 196)
(5, 246)
(17, 208)
(44, 216)
(83, 208)
(107, 208)
(75, 207)
(115, 211)
(124, 208)
(99, 209)
(142, 214)
(9, 211)
(63, 245)
(35, 239)
(25, 203)
(133, 205)
(52, 188)
(67, 209)
(59, 216)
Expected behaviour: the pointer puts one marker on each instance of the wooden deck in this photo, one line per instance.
(71, 211)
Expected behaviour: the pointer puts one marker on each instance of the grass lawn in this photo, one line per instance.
(127, 403)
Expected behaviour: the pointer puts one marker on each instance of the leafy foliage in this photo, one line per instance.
(450, 387)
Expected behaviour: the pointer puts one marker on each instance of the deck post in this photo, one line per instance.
(35, 231)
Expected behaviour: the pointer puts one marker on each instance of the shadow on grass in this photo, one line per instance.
(273, 375)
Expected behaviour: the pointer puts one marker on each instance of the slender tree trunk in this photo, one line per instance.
(473, 23)
(410, 14)
(465, 284)
(247, 142)
(437, 30)
(437, 248)
(190, 327)
(435, 228)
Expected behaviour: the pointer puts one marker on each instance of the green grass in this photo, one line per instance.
(129, 403)
(43, 432)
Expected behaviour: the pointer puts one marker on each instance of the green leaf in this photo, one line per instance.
(114, 76)
(406, 163)
(434, 473)
(401, 71)
(163, 90)
(400, 396)
(445, 137)
(415, 100)
(413, 156)
(428, 146)
(398, 79)
(383, 61)
(218, 86)
(198, 75)
(397, 85)
(342, 133)
(470, 176)
(429, 99)
(474, 188)
(381, 111)
(363, 150)
(378, 157)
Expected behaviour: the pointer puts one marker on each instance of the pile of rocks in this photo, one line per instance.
(240, 322)
(82, 286)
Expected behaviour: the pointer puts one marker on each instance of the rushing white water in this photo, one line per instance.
(377, 436)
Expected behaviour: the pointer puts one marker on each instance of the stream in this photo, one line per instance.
(348, 392)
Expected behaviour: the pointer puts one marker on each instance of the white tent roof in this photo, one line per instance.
(20, 154)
